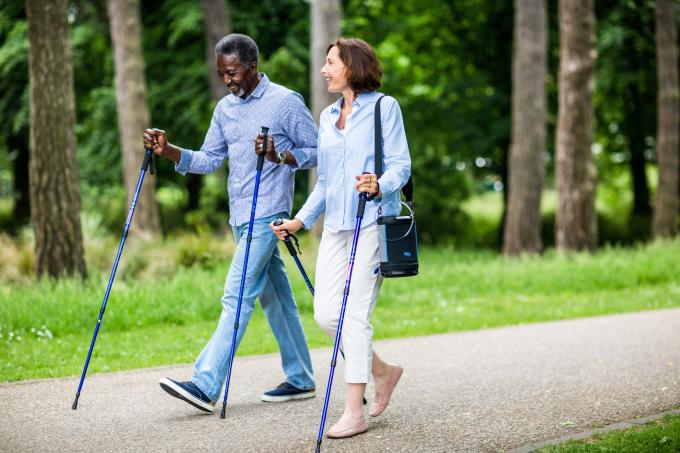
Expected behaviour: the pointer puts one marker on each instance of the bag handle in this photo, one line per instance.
(378, 148)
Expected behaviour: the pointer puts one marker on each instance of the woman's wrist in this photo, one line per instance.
(297, 224)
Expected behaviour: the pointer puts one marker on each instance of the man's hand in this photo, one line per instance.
(270, 155)
(286, 228)
(158, 142)
(368, 183)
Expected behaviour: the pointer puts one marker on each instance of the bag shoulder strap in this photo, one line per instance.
(378, 138)
(378, 149)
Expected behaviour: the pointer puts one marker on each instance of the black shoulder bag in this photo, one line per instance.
(398, 242)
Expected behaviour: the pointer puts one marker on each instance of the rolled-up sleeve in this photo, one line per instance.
(299, 126)
(212, 154)
(396, 158)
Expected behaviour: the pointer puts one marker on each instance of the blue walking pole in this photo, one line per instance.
(147, 164)
(260, 164)
(357, 227)
(294, 254)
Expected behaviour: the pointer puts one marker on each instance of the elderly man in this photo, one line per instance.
(254, 101)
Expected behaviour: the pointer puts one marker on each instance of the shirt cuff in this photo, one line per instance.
(300, 157)
(182, 167)
(385, 188)
(307, 218)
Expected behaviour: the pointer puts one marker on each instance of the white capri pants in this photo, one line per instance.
(331, 273)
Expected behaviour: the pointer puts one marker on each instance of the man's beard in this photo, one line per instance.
(239, 93)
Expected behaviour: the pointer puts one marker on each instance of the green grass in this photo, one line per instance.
(662, 435)
(167, 318)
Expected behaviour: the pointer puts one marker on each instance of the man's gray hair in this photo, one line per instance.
(238, 44)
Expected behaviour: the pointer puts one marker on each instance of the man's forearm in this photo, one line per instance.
(173, 153)
(290, 159)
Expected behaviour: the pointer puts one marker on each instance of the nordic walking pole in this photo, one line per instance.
(148, 163)
(260, 164)
(357, 227)
(294, 254)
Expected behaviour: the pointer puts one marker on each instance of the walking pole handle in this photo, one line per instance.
(363, 198)
(265, 143)
(362, 204)
(149, 162)
(287, 241)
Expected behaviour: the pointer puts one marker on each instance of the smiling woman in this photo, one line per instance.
(346, 169)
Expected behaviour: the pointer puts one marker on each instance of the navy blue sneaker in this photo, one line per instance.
(287, 392)
(189, 392)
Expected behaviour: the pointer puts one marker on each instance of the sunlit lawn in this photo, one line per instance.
(659, 436)
(46, 327)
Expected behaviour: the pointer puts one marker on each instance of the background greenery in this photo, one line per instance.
(448, 63)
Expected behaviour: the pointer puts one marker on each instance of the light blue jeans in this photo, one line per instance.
(265, 277)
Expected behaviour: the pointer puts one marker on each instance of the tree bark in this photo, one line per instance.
(325, 29)
(666, 205)
(638, 172)
(526, 168)
(216, 19)
(53, 170)
(133, 111)
(576, 175)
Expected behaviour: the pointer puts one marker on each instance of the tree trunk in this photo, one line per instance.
(576, 175)
(636, 128)
(54, 183)
(216, 19)
(638, 172)
(526, 167)
(133, 111)
(666, 207)
(325, 29)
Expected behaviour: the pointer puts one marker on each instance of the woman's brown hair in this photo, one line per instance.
(361, 62)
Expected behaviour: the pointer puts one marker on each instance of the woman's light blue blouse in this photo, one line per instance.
(341, 157)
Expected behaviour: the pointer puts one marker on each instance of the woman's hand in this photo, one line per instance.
(368, 183)
(286, 228)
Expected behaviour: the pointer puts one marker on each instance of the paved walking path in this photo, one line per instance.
(485, 390)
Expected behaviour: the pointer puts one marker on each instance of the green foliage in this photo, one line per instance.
(14, 100)
(453, 84)
(13, 69)
(448, 63)
(625, 98)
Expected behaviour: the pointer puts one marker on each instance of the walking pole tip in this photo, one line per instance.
(75, 402)
(224, 411)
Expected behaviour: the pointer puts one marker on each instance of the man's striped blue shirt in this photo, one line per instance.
(233, 129)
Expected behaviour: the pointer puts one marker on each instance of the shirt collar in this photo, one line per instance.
(361, 99)
(259, 90)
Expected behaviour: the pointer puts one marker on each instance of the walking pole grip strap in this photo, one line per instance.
(149, 161)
